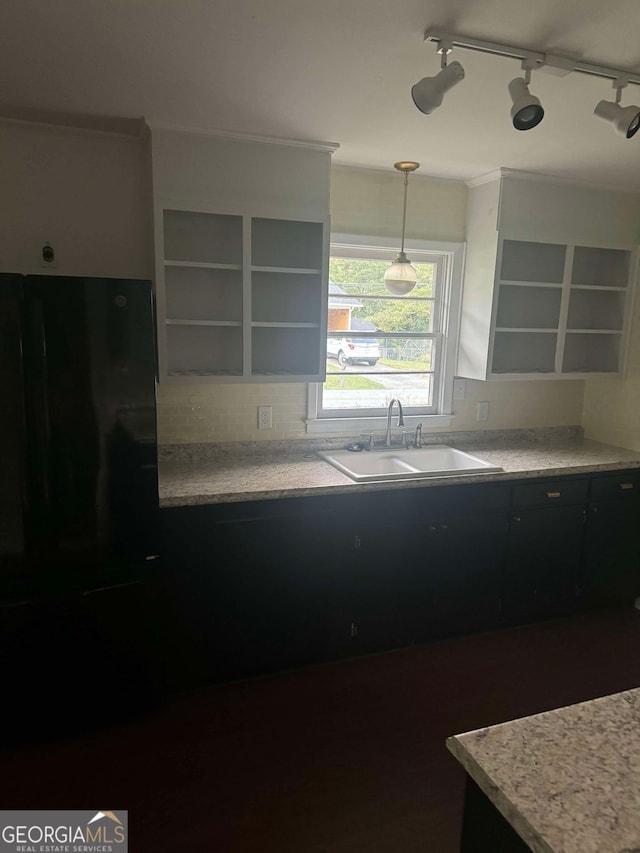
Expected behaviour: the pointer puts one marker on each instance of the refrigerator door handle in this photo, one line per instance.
(36, 398)
(125, 585)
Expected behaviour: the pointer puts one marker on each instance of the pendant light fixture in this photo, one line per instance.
(401, 277)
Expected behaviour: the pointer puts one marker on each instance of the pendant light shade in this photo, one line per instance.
(401, 277)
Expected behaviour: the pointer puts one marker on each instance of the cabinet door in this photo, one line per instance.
(456, 580)
(542, 561)
(410, 582)
(246, 596)
(374, 576)
(610, 571)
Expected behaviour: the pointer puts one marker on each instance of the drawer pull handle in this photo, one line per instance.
(553, 494)
(626, 485)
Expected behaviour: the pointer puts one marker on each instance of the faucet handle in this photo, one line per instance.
(370, 439)
(418, 437)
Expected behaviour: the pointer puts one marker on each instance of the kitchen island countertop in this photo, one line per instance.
(233, 477)
(567, 780)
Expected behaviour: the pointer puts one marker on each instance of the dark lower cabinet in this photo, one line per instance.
(246, 592)
(546, 528)
(375, 568)
(543, 560)
(258, 587)
(610, 569)
(409, 574)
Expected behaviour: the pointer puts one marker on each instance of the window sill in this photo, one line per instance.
(351, 425)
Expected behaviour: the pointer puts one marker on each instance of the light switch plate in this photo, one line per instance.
(482, 412)
(459, 389)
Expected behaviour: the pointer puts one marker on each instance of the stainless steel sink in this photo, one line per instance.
(437, 460)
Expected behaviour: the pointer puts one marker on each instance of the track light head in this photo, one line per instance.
(626, 120)
(428, 93)
(527, 111)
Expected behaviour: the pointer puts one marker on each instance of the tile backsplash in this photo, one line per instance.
(202, 414)
(192, 414)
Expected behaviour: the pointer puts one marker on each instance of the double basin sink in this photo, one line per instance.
(437, 460)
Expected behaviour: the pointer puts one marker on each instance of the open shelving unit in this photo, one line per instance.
(560, 309)
(240, 297)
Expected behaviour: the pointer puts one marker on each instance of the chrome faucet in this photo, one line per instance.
(387, 438)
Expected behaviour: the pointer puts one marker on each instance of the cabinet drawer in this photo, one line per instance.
(624, 485)
(550, 493)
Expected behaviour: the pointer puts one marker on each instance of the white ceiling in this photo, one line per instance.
(334, 70)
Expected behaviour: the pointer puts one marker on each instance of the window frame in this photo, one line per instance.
(448, 304)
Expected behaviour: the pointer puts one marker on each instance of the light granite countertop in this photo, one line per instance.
(567, 780)
(289, 471)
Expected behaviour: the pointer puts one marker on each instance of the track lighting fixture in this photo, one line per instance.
(401, 277)
(626, 120)
(428, 93)
(526, 110)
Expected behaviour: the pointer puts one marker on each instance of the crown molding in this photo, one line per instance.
(541, 177)
(314, 144)
(131, 130)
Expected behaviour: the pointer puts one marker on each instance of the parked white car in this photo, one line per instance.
(351, 350)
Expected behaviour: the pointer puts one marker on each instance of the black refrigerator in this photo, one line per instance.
(78, 500)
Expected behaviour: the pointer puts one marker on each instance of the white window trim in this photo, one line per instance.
(363, 246)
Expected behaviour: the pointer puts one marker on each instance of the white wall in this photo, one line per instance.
(612, 406)
(368, 201)
(84, 192)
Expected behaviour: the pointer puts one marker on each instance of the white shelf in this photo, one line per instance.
(225, 317)
(527, 307)
(546, 260)
(174, 322)
(598, 287)
(509, 330)
(263, 325)
(195, 372)
(202, 238)
(592, 352)
(573, 323)
(547, 284)
(600, 266)
(596, 309)
(593, 331)
(287, 270)
(532, 262)
(202, 265)
(524, 352)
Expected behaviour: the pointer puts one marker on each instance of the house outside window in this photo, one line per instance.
(381, 346)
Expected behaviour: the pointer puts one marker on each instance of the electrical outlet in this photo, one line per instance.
(482, 412)
(459, 389)
(264, 417)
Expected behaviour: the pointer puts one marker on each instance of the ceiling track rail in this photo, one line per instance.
(554, 63)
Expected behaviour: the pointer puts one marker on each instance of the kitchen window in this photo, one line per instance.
(381, 346)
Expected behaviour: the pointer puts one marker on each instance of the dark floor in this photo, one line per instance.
(346, 758)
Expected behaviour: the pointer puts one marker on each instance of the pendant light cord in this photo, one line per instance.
(404, 210)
